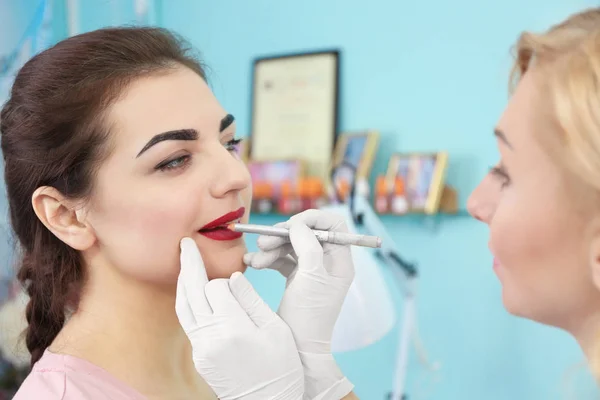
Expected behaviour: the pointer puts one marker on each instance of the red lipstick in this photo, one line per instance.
(217, 229)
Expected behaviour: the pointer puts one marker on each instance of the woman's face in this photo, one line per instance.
(539, 219)
(172, 170)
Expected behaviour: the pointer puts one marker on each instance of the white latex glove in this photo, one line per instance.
(318, 278)
(241, 348)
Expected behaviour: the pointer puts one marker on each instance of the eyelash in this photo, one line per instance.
(232, 144)
(500, 173)
(182, 161)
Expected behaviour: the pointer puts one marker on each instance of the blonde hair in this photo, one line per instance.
(567, 58)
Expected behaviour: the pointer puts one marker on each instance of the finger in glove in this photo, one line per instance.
(264, 259)
(285, 264)
(259, 312)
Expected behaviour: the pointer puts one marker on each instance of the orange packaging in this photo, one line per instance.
(268, 190)
(399, 186)
(315, 192)
(304, 194)
(286, 199)
(257, 195)
(381, 195)
(256, 189)
(265, 201)
(343, 189)
(262, 201)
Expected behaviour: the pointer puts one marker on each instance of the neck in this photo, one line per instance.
(588, 339)
(130, 329)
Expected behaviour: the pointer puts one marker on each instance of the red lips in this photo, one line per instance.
(217, 229)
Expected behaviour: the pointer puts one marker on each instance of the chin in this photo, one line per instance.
(520, 308)
(222, 263)
(219, 272)
(512, 305)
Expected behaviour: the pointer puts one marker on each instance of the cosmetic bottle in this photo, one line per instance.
(304, 194)
(294, 204)
(399, 201)
(284, 203)
(343, 190)
(256, 196)
(321, 200)
(362, 188)
(382, 197)
(316, 193)
(265, 204)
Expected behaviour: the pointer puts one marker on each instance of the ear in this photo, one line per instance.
(61, 218)
(594, 260)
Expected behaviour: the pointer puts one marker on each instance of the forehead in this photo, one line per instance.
(519, 118)
(529, 121)
(176, 99)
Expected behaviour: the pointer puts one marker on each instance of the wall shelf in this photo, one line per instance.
(431, 222)
(460, 213)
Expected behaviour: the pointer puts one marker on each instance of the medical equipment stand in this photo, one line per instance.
(406, 273)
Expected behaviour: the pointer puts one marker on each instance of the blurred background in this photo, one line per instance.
(427, 77)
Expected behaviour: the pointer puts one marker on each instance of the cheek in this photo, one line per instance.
(246, 196)
(520, 236)
(538, 249)
(141, 236)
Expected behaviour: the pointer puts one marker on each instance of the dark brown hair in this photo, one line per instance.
(54, 134)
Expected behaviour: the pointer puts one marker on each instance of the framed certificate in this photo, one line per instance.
(295, 109)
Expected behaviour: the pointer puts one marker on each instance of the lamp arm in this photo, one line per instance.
(365, 216)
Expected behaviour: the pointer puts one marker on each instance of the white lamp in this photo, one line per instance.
(368, 313)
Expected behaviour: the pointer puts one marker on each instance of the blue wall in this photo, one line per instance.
(95, 14)
(16, 16)
(15, 21)
(428, 75)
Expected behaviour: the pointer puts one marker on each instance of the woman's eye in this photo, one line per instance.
(173, 164)
(182, 161)
(232, 145)
(500, 173)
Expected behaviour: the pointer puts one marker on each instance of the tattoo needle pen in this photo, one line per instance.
(322, 236)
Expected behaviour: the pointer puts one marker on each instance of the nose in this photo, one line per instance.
(231, 175)
(483, 200)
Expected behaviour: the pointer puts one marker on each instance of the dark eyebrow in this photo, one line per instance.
(501, 136)
(180, 134)
(226, 121)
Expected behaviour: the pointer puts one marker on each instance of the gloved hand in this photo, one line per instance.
(241, 348)
(318, 278)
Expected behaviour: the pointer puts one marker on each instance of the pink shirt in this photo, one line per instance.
(63, 377)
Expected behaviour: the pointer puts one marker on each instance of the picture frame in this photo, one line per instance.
(352, 159)
(423, 176)
(276, 172)
(294, 108)
(357, 149)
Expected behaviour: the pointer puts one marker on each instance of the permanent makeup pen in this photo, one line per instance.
(322, 236)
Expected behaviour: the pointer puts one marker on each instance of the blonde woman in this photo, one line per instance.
(542, 200)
